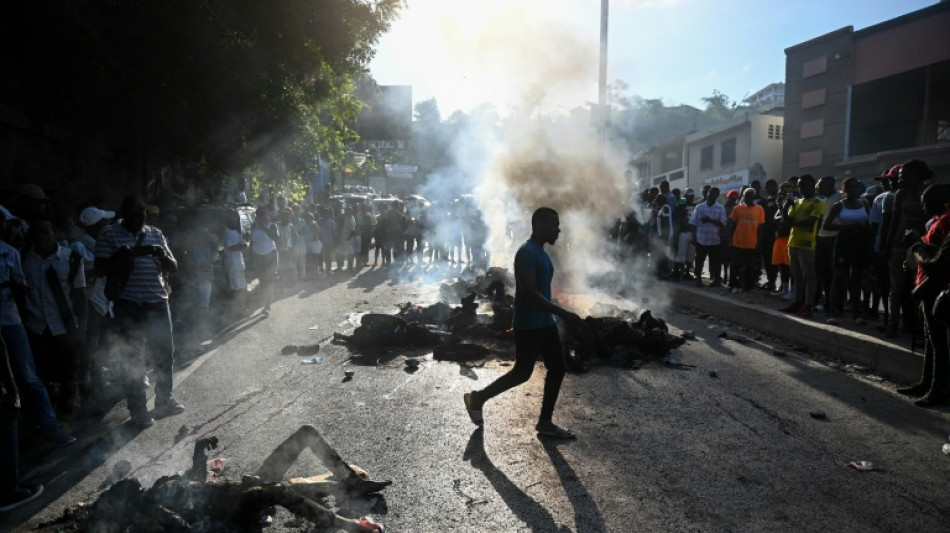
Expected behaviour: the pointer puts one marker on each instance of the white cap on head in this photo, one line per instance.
(92, 215)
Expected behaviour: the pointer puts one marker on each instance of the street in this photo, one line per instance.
(725, 436)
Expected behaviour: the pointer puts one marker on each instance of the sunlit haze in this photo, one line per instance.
(546, 51)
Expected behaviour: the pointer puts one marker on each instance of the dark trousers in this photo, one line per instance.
(766, 242)
(824, 268)
(57, 361)
(528, 345)
(144, 329)
(714, 251)
(742, 270)
(9, 457)
(936, 351)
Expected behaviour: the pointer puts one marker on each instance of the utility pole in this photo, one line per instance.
(602, 100)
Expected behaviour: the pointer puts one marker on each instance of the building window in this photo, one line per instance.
(706, 158)
(943, 131)
(728, 155)
(775, 132)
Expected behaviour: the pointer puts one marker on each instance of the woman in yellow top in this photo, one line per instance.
(804, 215)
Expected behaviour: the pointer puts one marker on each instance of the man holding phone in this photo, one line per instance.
(141, 306)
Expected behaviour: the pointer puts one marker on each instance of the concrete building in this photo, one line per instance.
(858, 102)
(729, 155)
(771, 96)
(735, 153)
(666, 161)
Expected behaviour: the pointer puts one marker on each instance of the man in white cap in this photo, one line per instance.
(92, 219)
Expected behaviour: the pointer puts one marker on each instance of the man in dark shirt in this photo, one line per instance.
(535, 329)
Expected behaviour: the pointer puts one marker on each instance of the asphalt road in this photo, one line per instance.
(720, 440)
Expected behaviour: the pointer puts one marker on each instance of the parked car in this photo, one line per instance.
(350, 200)
(415, 204)
(380, 205)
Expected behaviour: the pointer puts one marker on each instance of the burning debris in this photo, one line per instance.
(378, 329)
(197, 501)
(604, 337)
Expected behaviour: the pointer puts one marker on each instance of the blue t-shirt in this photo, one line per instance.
(532, 258)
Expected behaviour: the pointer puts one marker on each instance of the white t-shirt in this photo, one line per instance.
(261, 243)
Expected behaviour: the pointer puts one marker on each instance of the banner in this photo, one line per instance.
(728, 182)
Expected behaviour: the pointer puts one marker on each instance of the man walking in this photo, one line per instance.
(535, 329)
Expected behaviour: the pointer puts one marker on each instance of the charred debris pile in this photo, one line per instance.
(197, 500)
(618, 337)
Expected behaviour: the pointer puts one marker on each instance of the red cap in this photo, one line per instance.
(733, 194)
(892, 172)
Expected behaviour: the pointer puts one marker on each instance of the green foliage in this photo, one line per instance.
(217, 85)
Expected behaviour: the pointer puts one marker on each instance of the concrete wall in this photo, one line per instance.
(815, 128)
(898, 47)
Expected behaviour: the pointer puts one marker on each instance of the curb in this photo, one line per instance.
(884, 358)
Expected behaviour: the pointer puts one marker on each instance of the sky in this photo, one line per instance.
(545, 53)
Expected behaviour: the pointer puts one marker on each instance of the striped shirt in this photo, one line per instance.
(145, 284)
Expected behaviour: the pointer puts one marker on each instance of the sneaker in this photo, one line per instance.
(804, 312)
(57, 436)
(142, 420)
(22, 496)
(169, 407)
(792, 308)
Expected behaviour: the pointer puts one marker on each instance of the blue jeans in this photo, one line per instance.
(9, 458)
(32, 389)
(151, 324)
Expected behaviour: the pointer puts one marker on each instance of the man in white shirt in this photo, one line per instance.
(55, 306)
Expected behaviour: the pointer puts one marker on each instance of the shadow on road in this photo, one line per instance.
(523, 506)
(587, 516)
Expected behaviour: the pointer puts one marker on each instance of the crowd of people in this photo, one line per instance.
(830, 249)
(88, 291)
(85, 290)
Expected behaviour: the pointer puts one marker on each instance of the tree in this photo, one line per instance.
(214, 85)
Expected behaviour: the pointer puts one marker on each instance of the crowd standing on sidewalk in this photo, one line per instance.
(823, 249)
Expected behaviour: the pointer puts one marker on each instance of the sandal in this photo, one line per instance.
(556, 432)
(474, 414)
(367, 524)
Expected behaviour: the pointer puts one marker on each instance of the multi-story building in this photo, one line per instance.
(736, 153)
(729, 155)
(771, 96)
(858, 102)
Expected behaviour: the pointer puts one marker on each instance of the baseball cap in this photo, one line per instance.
(92, 215)
(733, 194)
(34, 192)
(889, 174)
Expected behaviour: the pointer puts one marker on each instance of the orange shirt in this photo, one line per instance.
(747, 219)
